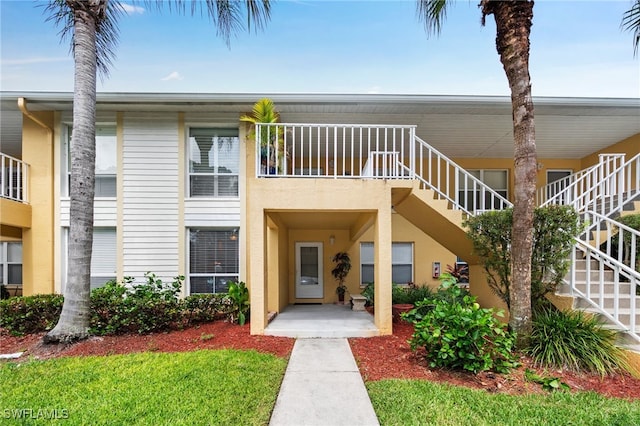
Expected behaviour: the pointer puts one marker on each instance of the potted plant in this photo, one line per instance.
(400, 301)
(340, 272)
(264, 111)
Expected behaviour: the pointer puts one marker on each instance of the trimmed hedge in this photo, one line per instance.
(30, 314)
(118, 308)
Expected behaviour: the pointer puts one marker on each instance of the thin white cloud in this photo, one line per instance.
(34, 60)
(131, 9)
(173, 76)
(373, 90)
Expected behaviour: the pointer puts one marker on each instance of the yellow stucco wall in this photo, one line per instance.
(14, 214)
(38, 241)
(629, 146)
(544, 165)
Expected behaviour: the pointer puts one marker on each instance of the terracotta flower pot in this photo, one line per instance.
(398, 309)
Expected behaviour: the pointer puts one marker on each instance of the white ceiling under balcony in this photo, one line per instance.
(459, 126)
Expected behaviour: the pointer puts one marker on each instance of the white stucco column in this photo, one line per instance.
(382, 271)
(256, 244)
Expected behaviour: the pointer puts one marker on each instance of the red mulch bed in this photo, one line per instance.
(378, 357)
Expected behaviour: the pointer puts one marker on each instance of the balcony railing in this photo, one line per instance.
(362, 151)
(14, 175)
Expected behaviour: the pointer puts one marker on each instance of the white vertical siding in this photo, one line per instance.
(150, 195)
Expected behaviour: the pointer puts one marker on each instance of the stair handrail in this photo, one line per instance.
(611, 313)
(462, 181)
(607, 260)
(542, 197)
(593, 183)
(595, 221)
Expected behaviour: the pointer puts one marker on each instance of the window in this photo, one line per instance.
(11, 263)
(401, 263)
(470, 197)
(213, 259)
(106, 161)
(214, 162)
(103, 256)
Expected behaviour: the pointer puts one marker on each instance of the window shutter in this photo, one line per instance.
(103, 258)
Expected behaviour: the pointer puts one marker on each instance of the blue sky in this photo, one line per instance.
(317, 46)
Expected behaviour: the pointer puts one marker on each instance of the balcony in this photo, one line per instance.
(360, 151)
(14, 179)
(15, 210)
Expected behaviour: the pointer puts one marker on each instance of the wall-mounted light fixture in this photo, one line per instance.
(332, 239)
(234, 234)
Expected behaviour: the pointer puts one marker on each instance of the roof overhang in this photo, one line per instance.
(459, 126)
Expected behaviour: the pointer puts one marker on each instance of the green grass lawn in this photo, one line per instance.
(414, 402)
(225, 387)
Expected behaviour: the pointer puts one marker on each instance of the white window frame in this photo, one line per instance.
(212, 277)
(5, 262)
(98, 257)
(481, 176)
(215, 174)
(66, 161)
(394, 262)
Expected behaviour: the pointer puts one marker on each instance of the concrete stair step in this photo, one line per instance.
(594, 287)
(624, 301)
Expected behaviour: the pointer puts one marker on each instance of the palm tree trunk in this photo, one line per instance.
(513, 27)
(74, 319)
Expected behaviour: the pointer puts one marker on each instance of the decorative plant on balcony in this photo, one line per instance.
(340, 272)
(271, 141)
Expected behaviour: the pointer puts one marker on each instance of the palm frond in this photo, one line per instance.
(226, 15)
(106, 13)
(631, 22)
(432, 13)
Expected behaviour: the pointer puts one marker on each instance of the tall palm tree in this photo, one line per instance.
(92, 25)
(513, 26)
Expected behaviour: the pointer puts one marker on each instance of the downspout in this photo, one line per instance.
(22, 105)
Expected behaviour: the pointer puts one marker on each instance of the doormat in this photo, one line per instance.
(307, 303)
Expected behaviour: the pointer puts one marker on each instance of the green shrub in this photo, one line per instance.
(369, 293)
(140, 308)
(239, 296)
(107, 308)
(553, 233)
(199, 308)
(399, 295)
(573, 340)
(456, 333)
(30, 314)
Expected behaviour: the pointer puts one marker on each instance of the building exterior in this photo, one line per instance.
(183, 187)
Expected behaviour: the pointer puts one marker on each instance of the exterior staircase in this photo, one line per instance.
(604, 279)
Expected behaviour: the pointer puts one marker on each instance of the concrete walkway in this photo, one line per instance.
(322, 386)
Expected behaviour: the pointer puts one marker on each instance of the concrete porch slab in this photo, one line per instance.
(328, 321)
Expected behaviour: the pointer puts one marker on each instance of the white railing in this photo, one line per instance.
(557, 191)
(13, 179)
(332, 150)
(368, 152)
(599, 188)
(453, 183)
(608, 277)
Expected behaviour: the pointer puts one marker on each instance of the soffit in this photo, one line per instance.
(459, 126)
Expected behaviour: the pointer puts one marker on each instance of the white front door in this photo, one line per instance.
(309, 283)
